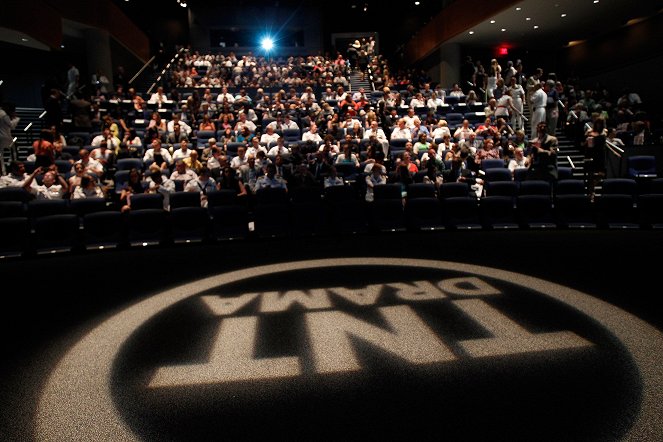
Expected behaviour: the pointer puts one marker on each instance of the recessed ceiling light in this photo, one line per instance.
(492, 21)
(471, 32)
(417, 3)
(24, 39)
(503, 29)
(353, 6)
(536, 26)
(519, 9)
(528, 18)
(563, 15)
(596, 1)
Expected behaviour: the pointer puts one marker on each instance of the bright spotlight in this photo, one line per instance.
(267, 43)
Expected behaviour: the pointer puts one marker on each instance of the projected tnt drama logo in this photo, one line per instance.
(332, 330)
(324, 342)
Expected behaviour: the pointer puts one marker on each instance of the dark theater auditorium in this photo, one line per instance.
(294, 220)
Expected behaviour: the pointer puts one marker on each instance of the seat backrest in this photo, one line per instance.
(641, 164)
(269, 195)
(570, 187)
(143, 201)
(387, 191)
(535, 187)
(501, 188)
(223, 197)
(129, 163)
(453, 190)
(336, 194)
(420, 190)
(15, 194)
(492, 163)
(498, 174)
(38, 208)
(623, 186)
(564, 173)
(184, 199)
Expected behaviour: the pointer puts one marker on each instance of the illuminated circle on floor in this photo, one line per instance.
(77, 404)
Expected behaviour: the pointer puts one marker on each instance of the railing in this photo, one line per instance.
(163, 72)
(142, 69)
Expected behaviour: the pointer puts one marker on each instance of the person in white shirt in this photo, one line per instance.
(375, 130)
(409, 118)
(182, 173)
(463, 132)
(158, 155)
(255, 147)
(269, 136)
(177, 119)
(312, 134)
(183, 152)
(8, 122)
(308, 94)
(538, 101)
(434, 101)
(16, 177)
(90, 165)
(401, 132)
(240, 159)
(225, 96)
(441, 130)
(53, 185)
(417, 101)
(519, 160)
(159, 97)
(87, 189)
(158, 183)
(359, 94)
(111, 141)
(288, 123)
(243, 122)
(278, 149)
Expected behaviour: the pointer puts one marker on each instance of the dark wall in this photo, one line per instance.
(204, 18)
(631, 57)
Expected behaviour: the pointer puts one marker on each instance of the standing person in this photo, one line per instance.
(8, 122)
(538, 100)
(517, 94)
(543, 161)
(494, 74)
(44, 149)
(552, 108)
(73, 78)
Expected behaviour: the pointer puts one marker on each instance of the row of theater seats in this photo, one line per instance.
(51, 226)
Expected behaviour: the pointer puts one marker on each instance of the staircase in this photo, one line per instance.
(356, 82)
(30, 120)
(567, 149)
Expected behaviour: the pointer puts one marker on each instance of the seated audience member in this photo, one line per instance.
(53, 184)
(332, 178)
(88, 188)
(203, 184)
(16, 176)
(270, 179)
(134, 185)
(229, 180)
(160, 156)
(376, 177)
(181, 173)
(192, 162)
(158, 183)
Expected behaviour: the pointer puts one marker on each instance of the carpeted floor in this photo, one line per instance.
(442, 336)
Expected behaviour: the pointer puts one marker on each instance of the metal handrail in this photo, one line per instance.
(142, 69)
